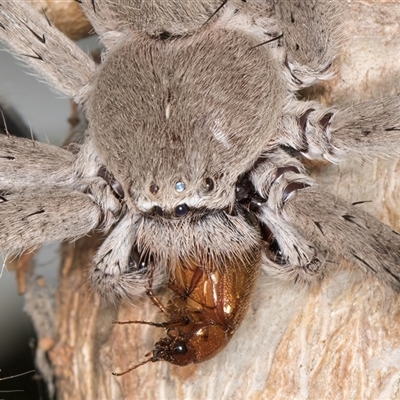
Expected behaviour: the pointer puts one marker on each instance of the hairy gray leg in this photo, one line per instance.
(368, 128)
(33, 218)
(311, 36)
(34, 40)
(27, 164)
(289, 255)
(336, 227)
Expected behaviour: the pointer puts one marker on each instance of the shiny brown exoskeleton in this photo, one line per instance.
(206, 309)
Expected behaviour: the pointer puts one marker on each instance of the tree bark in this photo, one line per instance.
(334, 340)
(65, 15)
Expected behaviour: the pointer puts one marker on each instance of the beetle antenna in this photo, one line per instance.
(134, 367)
(156, 324)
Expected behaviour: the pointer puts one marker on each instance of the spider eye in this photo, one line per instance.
(181, 210)
(180, 186)
(158, 210)
(209, 184)
(154, 188)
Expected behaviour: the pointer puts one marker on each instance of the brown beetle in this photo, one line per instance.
(206, 309)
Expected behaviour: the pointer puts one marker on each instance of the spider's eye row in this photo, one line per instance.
(180, 211)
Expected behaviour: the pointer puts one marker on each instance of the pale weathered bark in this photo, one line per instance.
(336, 340)
(65, 15)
